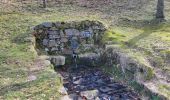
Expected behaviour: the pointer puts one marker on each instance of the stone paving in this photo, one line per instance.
(85, 83)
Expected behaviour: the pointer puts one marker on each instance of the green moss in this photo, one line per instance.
(115, 71)
(129, 75)
(155, 97)
(68, 60)
(149, 74)
(136, 86)
(111, 35)
(46, 83)
(165, 53)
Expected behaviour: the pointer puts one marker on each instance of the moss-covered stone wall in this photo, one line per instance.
(65, 37)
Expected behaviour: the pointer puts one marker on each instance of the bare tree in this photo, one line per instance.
(160, 10)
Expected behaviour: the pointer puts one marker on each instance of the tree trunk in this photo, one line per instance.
(160, 10)
(44, 3)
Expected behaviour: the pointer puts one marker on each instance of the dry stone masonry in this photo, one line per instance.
(60, 39)
(65, 37)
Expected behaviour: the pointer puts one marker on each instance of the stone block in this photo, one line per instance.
(90, 30)
(39, 27)
(57, 24)
(53, 32)
(90, 95)
(96, 27)
(58, 60)
(45, 42)
(86, 33)
(51, 43)
(62, 45)
(59, 42)
(62, 33)
(71, 32)
(64, 40)
(105, 89)
(47, 24)
(54, 36)
(74, 44)
(54, 49)
(67, 51)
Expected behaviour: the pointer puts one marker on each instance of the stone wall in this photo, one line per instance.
(132, 71)
(137, 70)
(65, 37)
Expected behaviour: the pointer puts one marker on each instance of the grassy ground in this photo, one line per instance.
(129, 29)
(150, 45)
(152, 42)
(17, 56)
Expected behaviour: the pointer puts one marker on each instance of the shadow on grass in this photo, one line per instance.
(149, 27)
(143, 35)
(22, 38)
(43, 81)
(14, 87)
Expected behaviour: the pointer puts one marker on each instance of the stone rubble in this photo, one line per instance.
(92, 84)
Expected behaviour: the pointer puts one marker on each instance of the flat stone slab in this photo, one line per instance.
(71, 97)
(71, 32)
(47, 24)
(105, 89)
(79, 81)
(90, 84)
(58, 60)
(90, 95)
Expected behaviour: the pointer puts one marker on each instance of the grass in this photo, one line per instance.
(165, 90)
(114, 71)
(146, 43)
(44, 87)
(17, 54)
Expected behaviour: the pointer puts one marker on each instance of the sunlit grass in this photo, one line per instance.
(16, 56)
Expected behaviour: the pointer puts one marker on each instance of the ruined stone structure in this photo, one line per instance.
(64, 38)
(61, 39)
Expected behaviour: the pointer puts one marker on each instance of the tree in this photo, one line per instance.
(44, 3)
(160, 10)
